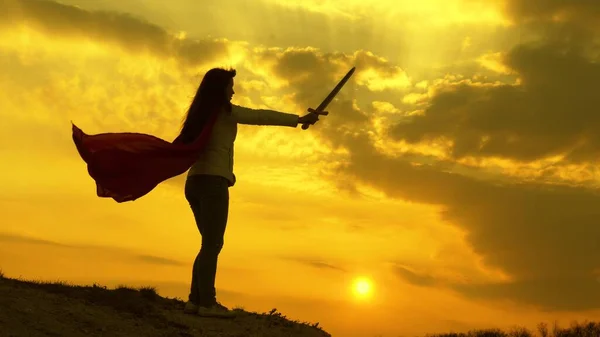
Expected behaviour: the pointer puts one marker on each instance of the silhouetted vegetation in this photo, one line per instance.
(585, 329)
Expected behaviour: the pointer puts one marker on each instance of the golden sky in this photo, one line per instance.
(457, 170)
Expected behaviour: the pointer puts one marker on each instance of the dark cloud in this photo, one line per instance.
(542, 293)
(412, 277)
(577, 11)
(266, 23)
(124, 30)
(545, 237)
(160, 260)
(551, 112)
(535, 292)
(312, 75)
(150, 259)
(5, 237)
(537, 234)
(316, 263)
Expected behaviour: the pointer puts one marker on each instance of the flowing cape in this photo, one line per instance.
(127, 166)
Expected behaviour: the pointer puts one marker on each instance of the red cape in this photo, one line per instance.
(126, 166)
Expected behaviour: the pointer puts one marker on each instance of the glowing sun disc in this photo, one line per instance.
(362, 287)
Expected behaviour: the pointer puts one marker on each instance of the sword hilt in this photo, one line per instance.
(319, 109)
(331, 95)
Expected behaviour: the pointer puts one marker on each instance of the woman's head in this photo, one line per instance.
(216, 86)
(214, 93)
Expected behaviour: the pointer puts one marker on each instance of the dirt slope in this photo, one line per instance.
(55, 309)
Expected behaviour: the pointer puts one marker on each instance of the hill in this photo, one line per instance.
(30, 308)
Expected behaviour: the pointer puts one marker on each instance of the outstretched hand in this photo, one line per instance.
(311, 118)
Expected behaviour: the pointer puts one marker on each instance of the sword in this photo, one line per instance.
(331, 95)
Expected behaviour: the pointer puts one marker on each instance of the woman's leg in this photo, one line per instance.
(209, 199)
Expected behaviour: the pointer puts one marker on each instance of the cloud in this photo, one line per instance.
(309, 67)
(123, 253)
(412, 277)
(160, 260)
(543, 112)
(309, 75)
(543, 293)
(540, 236)
(576, 11)
(534, 233)
(123, 30)
(547, 114)
(5, 237)
(316, 263)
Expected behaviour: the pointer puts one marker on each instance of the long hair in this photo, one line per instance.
(210, 98)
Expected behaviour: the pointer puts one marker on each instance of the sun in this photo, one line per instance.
(362, 287)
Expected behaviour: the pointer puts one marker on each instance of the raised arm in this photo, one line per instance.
(249, 116)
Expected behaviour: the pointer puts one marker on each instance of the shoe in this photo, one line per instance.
(216, 310)
(190, 308)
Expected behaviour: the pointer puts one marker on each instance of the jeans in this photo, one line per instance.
(208, 196)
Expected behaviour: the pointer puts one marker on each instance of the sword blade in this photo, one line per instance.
(332, 94)
(335, 91)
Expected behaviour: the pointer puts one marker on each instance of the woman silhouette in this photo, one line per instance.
(209, 178)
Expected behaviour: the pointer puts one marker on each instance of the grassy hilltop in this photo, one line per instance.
(30, 308)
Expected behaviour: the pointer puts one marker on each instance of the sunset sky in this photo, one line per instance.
(457, 170)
